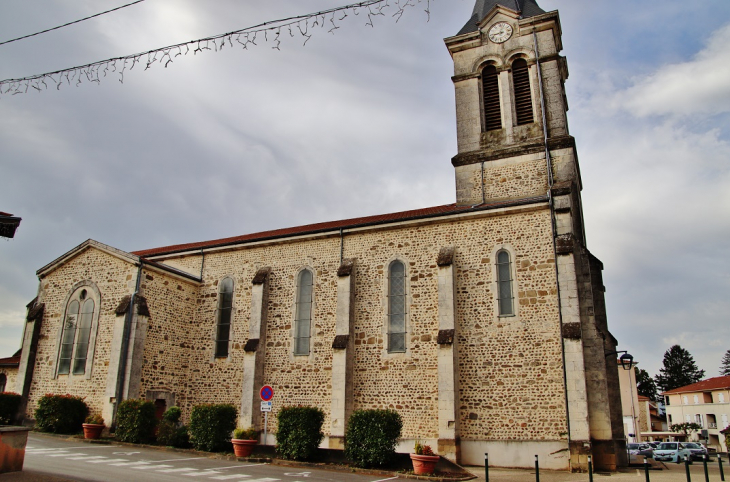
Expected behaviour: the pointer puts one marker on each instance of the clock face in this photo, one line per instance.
(500, 32)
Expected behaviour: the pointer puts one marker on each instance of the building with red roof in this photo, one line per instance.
(706, 403)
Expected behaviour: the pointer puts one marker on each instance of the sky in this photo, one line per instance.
(361, 121)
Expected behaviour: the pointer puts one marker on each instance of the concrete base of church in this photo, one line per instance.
(553, 454)
(334, 442)
(450, 449)
(609, 454)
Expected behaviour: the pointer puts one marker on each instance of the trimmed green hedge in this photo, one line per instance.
(170, 432)
(300, 432)
(136, 421)
(9, 403)
(60, 413)
(211, 426)
(372, 436)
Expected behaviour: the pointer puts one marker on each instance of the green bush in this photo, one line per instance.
(300, 432)
(172, 414)
(136, 421)
(211, 426)
(170, 434)
(60, 413)
(9, 403)
(372, 436)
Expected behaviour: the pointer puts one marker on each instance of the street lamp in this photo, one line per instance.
(626, 360)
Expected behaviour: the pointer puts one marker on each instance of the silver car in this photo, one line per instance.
(673, 452)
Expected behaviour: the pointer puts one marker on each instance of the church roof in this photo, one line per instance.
(309, 229)
(527, 8)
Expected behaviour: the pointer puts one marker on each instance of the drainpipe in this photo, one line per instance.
(121, 375)
(551, 202)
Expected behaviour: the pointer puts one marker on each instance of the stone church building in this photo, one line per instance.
(481, 322)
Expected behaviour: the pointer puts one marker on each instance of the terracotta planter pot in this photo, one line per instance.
(243, 448)
(93, 430)
(424, 464)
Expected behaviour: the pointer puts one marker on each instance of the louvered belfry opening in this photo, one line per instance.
(523, 97)
(490, 90)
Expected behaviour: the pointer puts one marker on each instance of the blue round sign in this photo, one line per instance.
(267, 393)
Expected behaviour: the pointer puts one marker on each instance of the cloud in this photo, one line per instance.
(698, 86)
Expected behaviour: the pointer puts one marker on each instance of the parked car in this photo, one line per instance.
(698, 450)
(642, 450)
(673, 452)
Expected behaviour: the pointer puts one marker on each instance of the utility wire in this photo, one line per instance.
(273, 32)
(70, 23)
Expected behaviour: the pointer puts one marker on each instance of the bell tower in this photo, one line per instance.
(514, 149)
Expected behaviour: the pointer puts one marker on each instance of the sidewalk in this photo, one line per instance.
(29, 476)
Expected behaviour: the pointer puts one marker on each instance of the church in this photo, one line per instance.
(482, 322)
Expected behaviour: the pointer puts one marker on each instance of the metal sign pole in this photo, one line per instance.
(266, 424)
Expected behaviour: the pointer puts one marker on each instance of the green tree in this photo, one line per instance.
(645, 384)
(686, 428)
(679, 370)
(725, 364)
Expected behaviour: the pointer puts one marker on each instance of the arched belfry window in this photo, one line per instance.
(490, 93)
(397, 307)
(76, 332)
(303, 314)
(223, 325)
(504, 284)
(523, 95)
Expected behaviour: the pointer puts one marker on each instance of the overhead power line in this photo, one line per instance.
(270, 32)
(70, 23)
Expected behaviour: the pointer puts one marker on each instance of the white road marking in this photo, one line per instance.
(229, 477)
(297, 474)
(178, 460)
(126, 453)
(108, 461)
(62, 454)
(267, 479)
(148, 467)
(38, 451)
(130, 464)
(185, 469)
(87, 457)
(383, 480)
(202, 474)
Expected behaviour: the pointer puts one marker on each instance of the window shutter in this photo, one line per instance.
(523, 96)
(490, 91)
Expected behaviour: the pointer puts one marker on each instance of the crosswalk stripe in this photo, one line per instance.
(129, 464)
(185, 469)
(202, 474)
(64, 454)
(107, 460)
(230, 477)
(87, 457)
(147, 467)
(266, 479)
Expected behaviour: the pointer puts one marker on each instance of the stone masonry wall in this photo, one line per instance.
(172, 305)
(510, 368)
(11, 375)
(113, 277)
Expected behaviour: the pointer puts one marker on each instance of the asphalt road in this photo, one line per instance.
(95, 462)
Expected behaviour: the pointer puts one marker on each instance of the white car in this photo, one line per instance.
(673, 452)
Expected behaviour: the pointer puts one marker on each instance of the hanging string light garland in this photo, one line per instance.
(272, 32)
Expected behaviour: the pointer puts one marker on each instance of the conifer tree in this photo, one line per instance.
(679, 370)
(725, 364)
(645, 384)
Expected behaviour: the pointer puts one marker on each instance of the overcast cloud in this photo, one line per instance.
(362, 122)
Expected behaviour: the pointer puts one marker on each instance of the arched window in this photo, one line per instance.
(3, 382)
(223, 325)
(504, 284)
(76, 333)
(303, 315)
(490, 93)
(396, 307)
(523, 95)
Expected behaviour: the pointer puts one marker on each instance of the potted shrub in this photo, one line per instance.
(93, 426)
(243, 441)
(424, 460)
